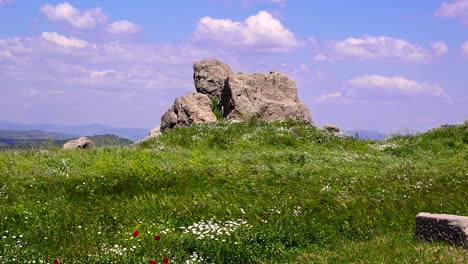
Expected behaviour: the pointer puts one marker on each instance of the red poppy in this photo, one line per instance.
(56, 261)
(153, 262)
(135, 233)
(165, 260)
(157, 238)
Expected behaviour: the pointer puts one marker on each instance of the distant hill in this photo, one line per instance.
(14, 137)
(22, 141)
(134, 134)
(110, 141)
(32, 134)
(78, 131)
(367, 134)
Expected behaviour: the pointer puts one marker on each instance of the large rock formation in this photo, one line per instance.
(81, 143)
(189, 109)
(210, 77)
(442, 227)
(268, 97)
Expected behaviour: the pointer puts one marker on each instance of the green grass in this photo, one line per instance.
(296, 194)
(106, 140)
(217, 108)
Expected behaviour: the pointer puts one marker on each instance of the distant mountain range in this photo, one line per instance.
(12, 139)
(33, 134)
(76, 131)
(367, 134)
(15, 137)
(55, 132)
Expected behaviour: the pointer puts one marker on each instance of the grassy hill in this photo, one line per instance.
(110, 141)
(235, 193)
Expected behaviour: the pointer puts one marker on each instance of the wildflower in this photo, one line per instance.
(56, 261)
(165, 260)
(157, 238)
(152, 262)
(135, 233)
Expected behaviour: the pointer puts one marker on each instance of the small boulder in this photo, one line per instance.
(189, 109)
(81, 143)
(332, 129)
(268, 97)
(447, 126)
(442, 227)
(154, 133)
(210, 77)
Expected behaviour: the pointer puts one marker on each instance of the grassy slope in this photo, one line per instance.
(306, 196)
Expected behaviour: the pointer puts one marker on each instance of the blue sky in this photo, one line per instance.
(387, 65)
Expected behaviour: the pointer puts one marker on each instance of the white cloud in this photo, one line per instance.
(304, 74)
(390, 86)
(440, 48)
(380, 48)
(123, 27)
(4, 2)
(320, 57)
(457, 9)
(76, 18)
(329, 96)
(261, 32)
(379, 88)
(104, 65)
(465, 48)
(100, 74)
(64, 41)
(142, 79)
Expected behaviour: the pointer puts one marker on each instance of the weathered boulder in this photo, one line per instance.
(80, 143)
(210, 77)
(442, 227)
(189, 109)
(154, 133)
(268, 97)
(332, 128)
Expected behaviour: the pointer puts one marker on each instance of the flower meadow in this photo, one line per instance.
(249, 192)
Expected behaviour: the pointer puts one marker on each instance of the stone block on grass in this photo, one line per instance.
(452, 229)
